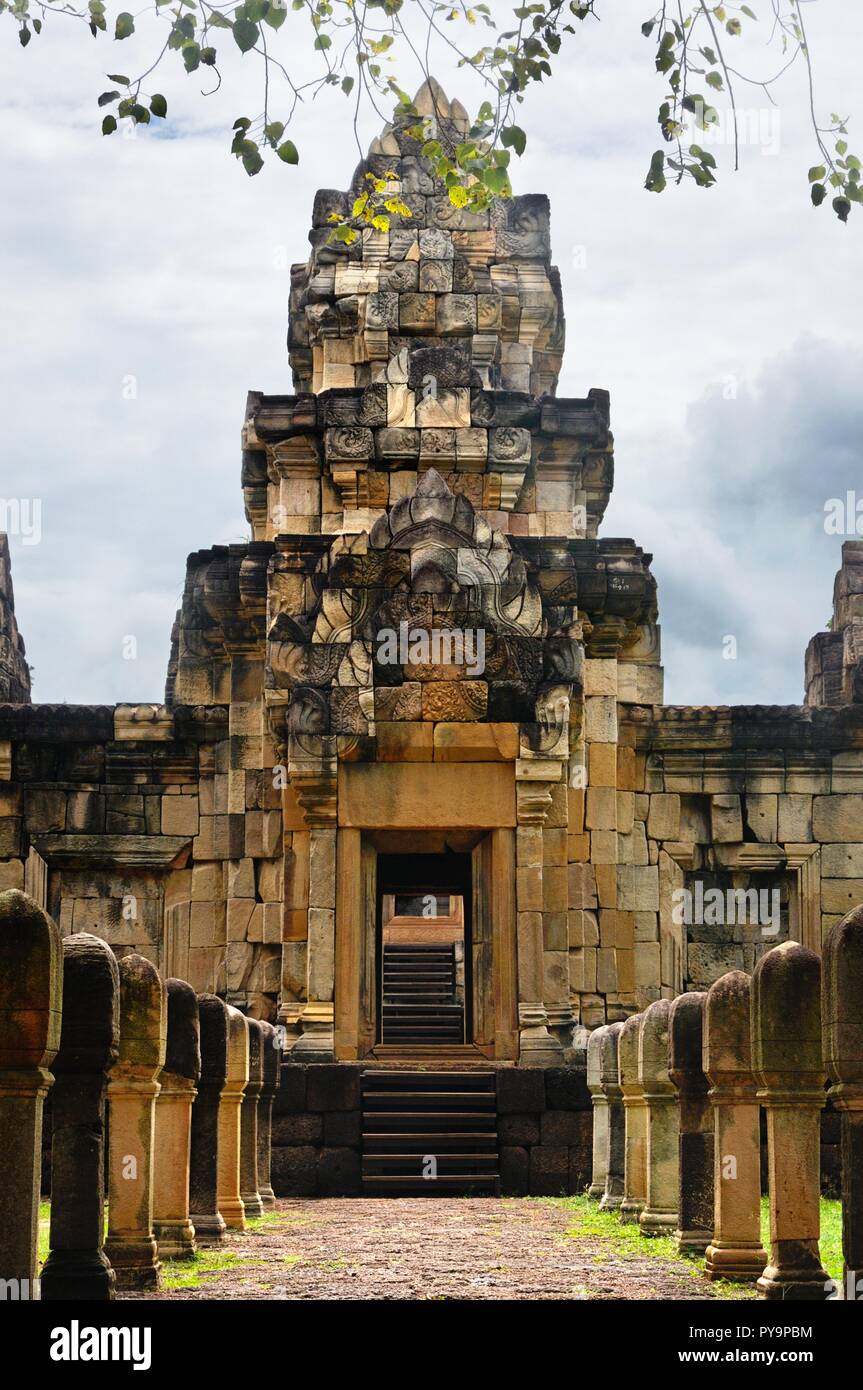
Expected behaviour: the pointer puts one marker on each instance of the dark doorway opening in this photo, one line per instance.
(423, 957)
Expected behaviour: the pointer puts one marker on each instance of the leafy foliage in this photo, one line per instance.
(358, 43)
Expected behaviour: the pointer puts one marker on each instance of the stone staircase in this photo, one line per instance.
(429, 1133)
(419, 995)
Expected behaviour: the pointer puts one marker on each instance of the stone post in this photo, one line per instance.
(31, 986)
(635, 1122)
(230, 1109)
(132, 1090)
(77, 1267)
(272, 1057)
(609, 1076)
(842, 995)
(249, 1123)
(686, 1043)
(599, 1101)
(735, 1251)
(663, 1122)
(537, 1045)
(204, 1158)
(788, 1066)
(178, 1080)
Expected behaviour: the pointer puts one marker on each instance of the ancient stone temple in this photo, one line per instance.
(413, 794)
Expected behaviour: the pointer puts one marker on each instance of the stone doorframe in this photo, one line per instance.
(493, 934)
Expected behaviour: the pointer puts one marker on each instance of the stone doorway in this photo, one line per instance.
(423, 953)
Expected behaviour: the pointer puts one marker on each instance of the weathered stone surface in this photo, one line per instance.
(208, 1222)
(30, 996)
(660, 1212)
(788, 1065)
(230, 1109)
(132, 1089)
(842, 994)
(686, 1046)
(735, 1252)
(77, 1267)
(173, 1133)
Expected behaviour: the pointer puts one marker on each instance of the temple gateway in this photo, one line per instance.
(413, 794)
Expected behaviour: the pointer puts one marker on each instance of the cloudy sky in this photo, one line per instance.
(144, 288)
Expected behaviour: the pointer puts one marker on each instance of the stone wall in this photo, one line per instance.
(544, 1131)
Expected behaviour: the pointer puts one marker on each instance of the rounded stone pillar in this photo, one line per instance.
(599, 1103)
(735, 1252)
(249, 1122)
(77, 1267)
(842, 1028)
(609, 1077)
(663, 1122)
(695, 1199)
(272, 1057)
(635, 1121)
(178, 1080)
(230, 1111)
(31, 986)
(204, 1158)
(788, 1066)
(132, 1090)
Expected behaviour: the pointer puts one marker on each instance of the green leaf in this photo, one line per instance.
(276, 16)
(655, 182)
(109, 125)
(497, 180)
(842, 208)
(513, 137)
(459, 196)
(191, 56)
(841, 146)
(107, 97)
(24, 36)
(118, 77)
(274, 131)
(246, 35)
(817, 173)
(252, 161)
(324, 41)
(158, 105)
(288, 152)
(125, 25)
(208, 57)
(347, 85)
(714, 80)
(819, 193)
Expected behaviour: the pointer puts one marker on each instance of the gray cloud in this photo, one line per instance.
(156, 258)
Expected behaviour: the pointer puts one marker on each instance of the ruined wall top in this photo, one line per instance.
(14, 671)
(479, 283)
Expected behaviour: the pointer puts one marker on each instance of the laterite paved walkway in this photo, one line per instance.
(387, 1248)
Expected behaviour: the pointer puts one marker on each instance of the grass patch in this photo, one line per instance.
(189, 1274)
(624, 1239)
(259, 1225)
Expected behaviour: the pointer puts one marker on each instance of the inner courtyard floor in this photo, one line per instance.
(441, 1248)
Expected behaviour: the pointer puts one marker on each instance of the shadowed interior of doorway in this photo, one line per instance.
(423, 931)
